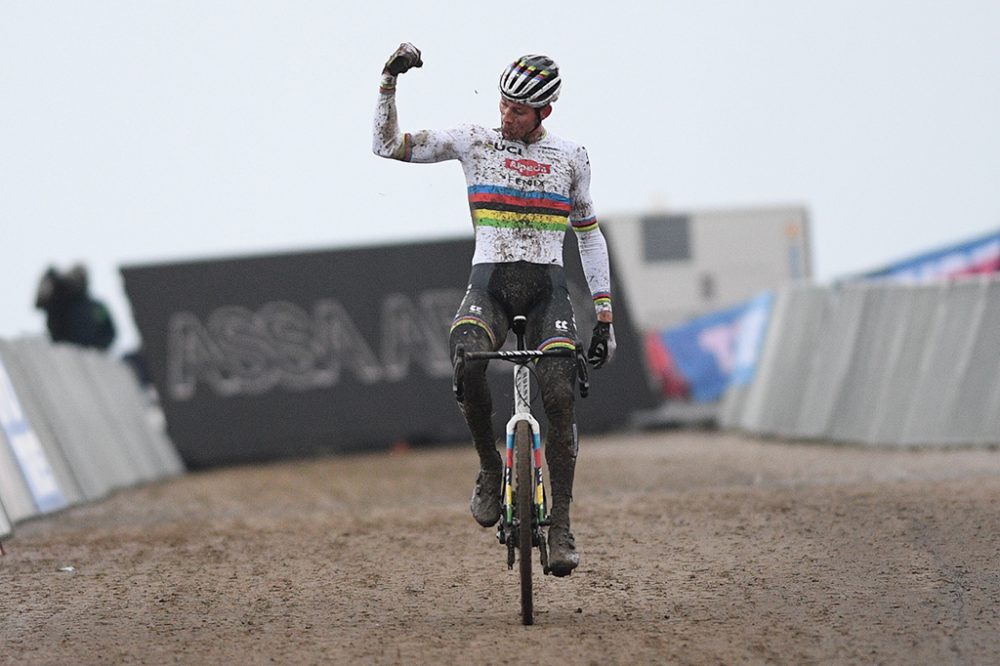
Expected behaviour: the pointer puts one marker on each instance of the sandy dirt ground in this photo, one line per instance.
(697, 548)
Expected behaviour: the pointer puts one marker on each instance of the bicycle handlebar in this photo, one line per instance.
(516, 356)
(521, 357)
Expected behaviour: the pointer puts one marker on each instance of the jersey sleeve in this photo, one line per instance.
(425, 146)
(592, 244)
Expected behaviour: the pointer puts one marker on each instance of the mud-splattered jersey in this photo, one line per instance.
(523, 197)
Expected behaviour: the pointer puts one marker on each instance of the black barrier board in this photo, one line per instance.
(263, 357)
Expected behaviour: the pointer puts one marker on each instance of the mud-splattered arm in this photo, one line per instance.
(423, 146)
(593, 246)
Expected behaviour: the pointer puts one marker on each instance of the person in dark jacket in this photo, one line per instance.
(72, 315)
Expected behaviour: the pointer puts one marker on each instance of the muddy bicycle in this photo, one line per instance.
(524, 507)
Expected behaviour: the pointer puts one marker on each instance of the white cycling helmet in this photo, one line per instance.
(533, 80)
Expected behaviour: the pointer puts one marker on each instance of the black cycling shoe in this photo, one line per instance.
(563, 557)
(485, 503)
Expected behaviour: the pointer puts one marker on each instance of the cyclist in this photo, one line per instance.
(525, 188)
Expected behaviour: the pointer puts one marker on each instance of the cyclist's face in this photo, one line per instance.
(517, 120)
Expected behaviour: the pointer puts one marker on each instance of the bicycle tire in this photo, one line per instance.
(525, 484)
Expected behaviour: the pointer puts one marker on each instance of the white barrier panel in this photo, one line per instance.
(808, 310)
(904, 370)
(26, 451)
(37, 359)
(868, 357)
(991, 425)
(832, 346)
(14, 493)
(146, 423)
(147, 447)
(35, 412)
(122, 438)
(757, 397)
(114, 461)
(945, 360)
(75, 426)
(772, 399)
(5, 526)
(732, 406)
(884, 364)
(978, 394)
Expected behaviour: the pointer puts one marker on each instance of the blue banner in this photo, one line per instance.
(981, 255)
(721, 348)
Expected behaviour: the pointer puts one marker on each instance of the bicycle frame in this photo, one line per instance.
(506, 530)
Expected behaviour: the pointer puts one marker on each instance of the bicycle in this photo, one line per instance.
(524, 506)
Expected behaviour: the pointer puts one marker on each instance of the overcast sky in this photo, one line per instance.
(139, 131)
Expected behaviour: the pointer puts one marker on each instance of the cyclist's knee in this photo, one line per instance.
(557, 380)
(471, 336)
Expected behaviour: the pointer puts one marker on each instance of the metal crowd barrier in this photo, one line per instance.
(879, 364)
(76, 425)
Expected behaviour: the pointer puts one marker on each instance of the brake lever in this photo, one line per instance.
(583, 374)
(458, 377)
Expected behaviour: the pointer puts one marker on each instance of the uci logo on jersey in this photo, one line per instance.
(527, 167)
(501, 146)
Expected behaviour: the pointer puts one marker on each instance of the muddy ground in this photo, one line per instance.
(697, 548)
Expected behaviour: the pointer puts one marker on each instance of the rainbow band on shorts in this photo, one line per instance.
(557, 343)
(602, 299)
(475, 321)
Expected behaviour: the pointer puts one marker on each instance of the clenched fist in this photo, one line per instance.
(405, 57)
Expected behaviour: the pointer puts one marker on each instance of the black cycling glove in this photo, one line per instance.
(602, 344)
(405, 57)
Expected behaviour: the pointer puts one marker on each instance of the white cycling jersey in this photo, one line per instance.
(522, 197)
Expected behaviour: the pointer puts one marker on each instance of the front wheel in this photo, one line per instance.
(525, 482)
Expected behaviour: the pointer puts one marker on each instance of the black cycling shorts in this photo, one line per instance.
(498, 292)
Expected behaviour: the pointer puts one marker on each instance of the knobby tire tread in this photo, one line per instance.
(525, 509)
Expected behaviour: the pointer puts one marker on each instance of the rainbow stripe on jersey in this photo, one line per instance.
(509, 208)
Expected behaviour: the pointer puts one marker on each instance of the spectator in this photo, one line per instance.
(71, 314)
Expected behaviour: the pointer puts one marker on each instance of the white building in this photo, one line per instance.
(677, 266)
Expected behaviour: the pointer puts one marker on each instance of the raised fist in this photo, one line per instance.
(405, 57)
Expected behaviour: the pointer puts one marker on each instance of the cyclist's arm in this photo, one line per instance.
(388, 141)
(593, 246)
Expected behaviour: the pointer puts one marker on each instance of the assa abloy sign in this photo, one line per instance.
(294, 354)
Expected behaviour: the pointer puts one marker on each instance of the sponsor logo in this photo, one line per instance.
(513, 150)
(529, 182)
(236, 351)
(527, 167)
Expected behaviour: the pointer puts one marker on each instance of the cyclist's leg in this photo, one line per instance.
(480, 325)
(552, 325)
(556, 377)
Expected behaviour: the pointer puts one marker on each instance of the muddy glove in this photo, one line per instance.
(602, 344)
(405, 57)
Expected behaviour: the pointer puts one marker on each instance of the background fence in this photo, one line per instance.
(878, 363)
(875, 363)
(75, 426)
